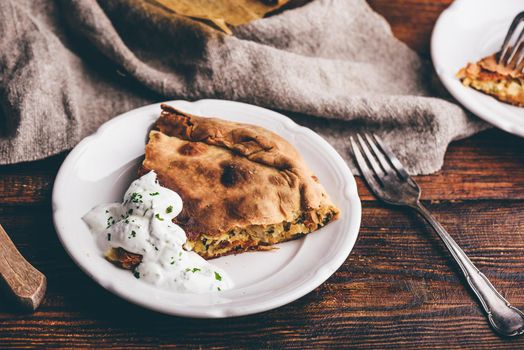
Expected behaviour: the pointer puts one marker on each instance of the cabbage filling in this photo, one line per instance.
(259, 237)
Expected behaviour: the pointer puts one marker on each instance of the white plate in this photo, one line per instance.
(102, 166)
(466, 32)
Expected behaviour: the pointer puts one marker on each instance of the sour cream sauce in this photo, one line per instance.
(143, 225)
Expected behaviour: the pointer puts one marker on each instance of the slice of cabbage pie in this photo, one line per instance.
(243, 186)
(503, 83)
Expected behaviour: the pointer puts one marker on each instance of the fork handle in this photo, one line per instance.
(504, 318)
(23, 283)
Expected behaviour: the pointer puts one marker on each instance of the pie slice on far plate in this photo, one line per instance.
(503, 83)
(243, 186)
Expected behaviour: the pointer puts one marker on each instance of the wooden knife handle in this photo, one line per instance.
(25, 284)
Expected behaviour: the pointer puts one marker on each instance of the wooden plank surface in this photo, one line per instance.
(398, 288)
(411, 20)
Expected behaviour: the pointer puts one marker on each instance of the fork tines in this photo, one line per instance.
(512, 51)
(378, 160)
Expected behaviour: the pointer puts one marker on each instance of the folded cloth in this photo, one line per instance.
(68, 66)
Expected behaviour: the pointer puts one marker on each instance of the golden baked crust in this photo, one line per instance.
(243, 186)
(505, 84)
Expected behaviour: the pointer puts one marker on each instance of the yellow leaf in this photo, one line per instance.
(223, 13)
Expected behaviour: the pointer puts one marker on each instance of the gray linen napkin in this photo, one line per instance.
(68, 66)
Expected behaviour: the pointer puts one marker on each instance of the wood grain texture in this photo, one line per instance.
(411, 20)
(398, 288)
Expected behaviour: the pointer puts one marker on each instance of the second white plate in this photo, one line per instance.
(101, 167)
(466, 32)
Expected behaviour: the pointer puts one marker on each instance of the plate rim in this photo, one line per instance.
(319, 277)
(468, 103)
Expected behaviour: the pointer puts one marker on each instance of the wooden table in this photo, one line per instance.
(397, 289)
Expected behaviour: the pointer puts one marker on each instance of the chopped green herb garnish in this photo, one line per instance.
(154, 194)
(107, 211)
(158, 217)
(169, 209)
(136, 274)
(130, 211)
(133, 234)
(108, 236)
(110, 221)
(217, 276)
(194, 269)
(136, 197)
(219, 289)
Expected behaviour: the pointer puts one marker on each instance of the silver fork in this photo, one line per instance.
(388, 180)
(512, 52)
